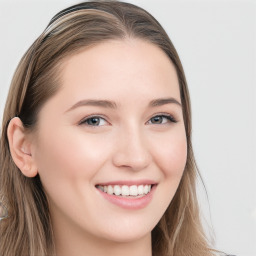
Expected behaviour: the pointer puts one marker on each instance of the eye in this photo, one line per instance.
(162, 119)
(94, 121)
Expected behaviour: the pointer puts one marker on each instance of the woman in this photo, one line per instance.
(96, 154)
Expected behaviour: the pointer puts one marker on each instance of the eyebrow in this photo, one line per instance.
(96, 103)
(113, 105)
(161, 102)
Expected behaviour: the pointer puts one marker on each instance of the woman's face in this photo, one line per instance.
(115, 125)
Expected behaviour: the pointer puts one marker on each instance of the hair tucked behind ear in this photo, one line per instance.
(27, 230)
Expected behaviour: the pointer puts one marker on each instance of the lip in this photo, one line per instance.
(129, 202)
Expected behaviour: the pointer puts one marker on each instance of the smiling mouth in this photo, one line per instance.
(125, 190)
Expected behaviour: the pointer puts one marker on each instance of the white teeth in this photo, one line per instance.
(125, 190)
(146, 189)
(133, 190)
(117, 190)
(140, 190)
(110, 190)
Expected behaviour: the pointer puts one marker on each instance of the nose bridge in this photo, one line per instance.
(132, 149)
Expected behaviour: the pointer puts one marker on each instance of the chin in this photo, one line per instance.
(127, 237)
(126, 233)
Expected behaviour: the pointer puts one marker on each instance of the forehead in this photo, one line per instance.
(126, 72)
(120, 65)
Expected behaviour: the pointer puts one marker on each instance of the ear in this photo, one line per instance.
(20, 147)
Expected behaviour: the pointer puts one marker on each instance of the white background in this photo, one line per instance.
(216, 41)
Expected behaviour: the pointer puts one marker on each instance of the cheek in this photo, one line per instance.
(170, 157)
(68, 157)
(67, 161)
(171, 154)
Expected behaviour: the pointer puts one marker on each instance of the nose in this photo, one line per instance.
(131, 150)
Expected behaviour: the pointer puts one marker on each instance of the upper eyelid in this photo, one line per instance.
(168, 116)
(164, 114)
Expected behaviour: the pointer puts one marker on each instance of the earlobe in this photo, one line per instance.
(20, 148)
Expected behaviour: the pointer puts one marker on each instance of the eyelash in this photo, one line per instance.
(169, 118)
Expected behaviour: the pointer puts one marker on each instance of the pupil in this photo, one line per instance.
(93, 121)
(157, 120)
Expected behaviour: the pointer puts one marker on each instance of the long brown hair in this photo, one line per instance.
(27, 229)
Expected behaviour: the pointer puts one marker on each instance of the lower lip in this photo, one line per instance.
(130, 202)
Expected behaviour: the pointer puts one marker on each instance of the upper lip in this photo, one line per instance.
(128, 182)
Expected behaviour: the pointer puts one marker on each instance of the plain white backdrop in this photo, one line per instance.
(216, 41)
